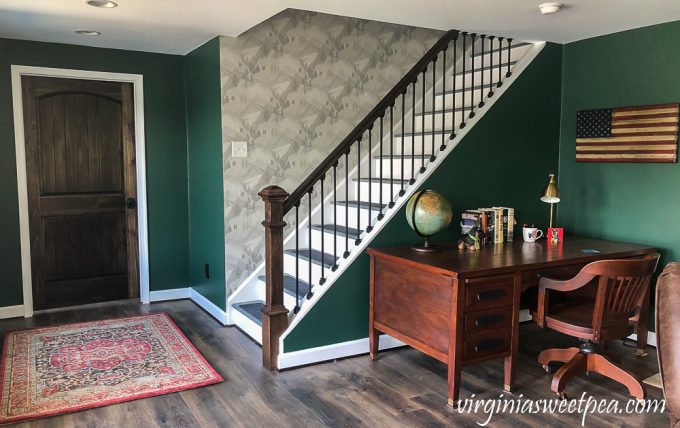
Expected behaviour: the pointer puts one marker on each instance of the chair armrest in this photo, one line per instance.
(580, 280)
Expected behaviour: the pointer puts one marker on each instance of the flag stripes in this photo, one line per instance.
(628, 134)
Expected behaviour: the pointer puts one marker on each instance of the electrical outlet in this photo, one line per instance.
(239, 149)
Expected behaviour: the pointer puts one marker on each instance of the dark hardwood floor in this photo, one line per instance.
(403, 388)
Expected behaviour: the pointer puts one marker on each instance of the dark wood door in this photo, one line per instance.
(80, 164)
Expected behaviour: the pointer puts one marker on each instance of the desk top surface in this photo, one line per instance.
(511, 256)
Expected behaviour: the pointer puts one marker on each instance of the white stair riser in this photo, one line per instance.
(289, 268)
(349, 218)
(288, 300)
(439, 120)
(515, 55)
(392, 166)
(488, 74)
(339, 243)
(449, 97)
(418, 147)
(360, 190)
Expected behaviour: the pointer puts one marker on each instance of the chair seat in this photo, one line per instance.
(576, 317)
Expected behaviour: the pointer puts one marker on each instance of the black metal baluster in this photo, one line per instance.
(309, 218)
(370, 178)
(422, 124)
(490, 66)
(357, 241)
(401, 155)
(335, 217)
(382, 160)
(297, 259)
(453, 88)
(391, 205)
(413, 136)
(322, 280)
(472, 75)
(434, 100)
(481, 83)
(443, 145)
(346, 253)
(462, 119)
(403, 143)
(509, 73)
(500, 62)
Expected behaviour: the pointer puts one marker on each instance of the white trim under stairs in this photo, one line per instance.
(194, 296)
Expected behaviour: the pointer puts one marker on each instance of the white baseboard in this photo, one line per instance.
(172, 294)
(12, 311)
(195, 296)
(651, 338)
(332, 352)
(209, 307)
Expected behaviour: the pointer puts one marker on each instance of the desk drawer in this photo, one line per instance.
(493, 343)
(530, 278)
(488, 292)
(482, 321)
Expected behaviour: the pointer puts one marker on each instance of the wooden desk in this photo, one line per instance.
(463, 307)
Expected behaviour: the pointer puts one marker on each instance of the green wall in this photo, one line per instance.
(522, 130)
(620, 201)
(206, 194)
(164, 116)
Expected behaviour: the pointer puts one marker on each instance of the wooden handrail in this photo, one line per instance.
(370, 118)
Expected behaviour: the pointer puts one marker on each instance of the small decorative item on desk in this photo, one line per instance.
(531, 233)
(471, 240)
(555, 235)
(428, 213)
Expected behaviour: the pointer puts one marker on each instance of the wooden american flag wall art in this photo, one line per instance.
(628, 134)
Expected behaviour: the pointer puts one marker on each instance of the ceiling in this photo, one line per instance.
(179, 26)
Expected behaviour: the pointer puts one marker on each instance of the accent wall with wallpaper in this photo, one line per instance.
(293, 87)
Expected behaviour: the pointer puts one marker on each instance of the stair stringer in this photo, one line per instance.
(297, 358)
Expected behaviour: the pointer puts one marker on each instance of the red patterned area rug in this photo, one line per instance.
(53, 370)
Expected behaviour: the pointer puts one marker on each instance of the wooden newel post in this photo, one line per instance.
(274, 313)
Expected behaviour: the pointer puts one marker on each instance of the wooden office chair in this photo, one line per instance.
(621, 286)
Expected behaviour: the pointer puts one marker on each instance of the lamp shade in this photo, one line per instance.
(551, 193)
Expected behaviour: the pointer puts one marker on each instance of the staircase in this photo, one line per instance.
(342, 205)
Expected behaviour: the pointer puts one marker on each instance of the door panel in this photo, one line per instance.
(80, 170)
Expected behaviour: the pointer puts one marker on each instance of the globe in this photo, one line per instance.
(428, 213)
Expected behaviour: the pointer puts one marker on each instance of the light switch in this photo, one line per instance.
(239, 149)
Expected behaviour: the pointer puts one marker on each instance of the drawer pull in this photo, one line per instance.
(490, 294)
(488, 345)
(488, 320)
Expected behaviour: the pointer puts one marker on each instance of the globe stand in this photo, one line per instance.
(427, 247)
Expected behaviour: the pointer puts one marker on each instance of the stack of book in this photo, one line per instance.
(496, 224)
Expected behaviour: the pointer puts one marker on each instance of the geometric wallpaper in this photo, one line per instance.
(293, 87)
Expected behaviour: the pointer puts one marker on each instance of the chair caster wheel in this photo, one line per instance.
(562, 395)
(547, 369)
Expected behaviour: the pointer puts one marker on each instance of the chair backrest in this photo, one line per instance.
(622, 284)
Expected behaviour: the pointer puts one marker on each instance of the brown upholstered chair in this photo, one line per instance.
(621, 284)
(668, 337)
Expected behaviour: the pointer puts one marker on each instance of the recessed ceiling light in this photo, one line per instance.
(549, 8)
(106, 4)
(88, 33)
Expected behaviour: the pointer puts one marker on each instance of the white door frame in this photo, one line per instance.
(19, 144)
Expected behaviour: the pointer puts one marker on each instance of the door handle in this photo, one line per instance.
(131, 203)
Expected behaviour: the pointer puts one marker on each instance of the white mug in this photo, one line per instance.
(531, 234)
